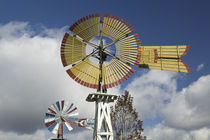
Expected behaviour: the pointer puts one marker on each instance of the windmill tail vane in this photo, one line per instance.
(163, 58)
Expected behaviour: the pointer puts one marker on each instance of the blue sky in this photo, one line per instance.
(162, 22)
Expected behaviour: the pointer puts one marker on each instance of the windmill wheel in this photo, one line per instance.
(104, 73)
(59, 118)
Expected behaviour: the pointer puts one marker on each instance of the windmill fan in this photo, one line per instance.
(59, 118)
(89, 73)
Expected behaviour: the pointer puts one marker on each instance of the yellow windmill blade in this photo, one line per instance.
(163, 58)
(115, 72)
(115, 27)
(72, 50)
(87, 27)
(85, 73)
(127, 49)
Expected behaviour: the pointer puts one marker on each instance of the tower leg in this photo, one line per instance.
(103, 126)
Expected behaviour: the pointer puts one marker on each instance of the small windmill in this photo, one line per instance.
(109, 73)
(59, 118)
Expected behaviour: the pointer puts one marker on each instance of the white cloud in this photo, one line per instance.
(200, 67)
(32, 78)
(151, 90)
(162, 132)
(190, 108)
(185, 114)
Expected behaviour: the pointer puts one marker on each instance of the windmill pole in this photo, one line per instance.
(102, 126)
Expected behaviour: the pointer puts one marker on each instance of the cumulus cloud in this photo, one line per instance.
(185, 114)
(32, 78)
(151, 91)
(190, 108)
(162, 132)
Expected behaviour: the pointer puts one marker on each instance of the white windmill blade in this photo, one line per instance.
(60, 116)
(68, 126)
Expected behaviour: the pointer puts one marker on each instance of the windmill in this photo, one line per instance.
(59, 118)
(109, 73)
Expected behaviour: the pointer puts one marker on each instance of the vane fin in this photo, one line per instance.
(163, 58)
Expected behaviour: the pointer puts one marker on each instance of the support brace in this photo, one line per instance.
(103, 125)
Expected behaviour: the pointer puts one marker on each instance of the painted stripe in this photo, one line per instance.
(48, 115)
(60, 129)
(50, 123)
(62, 104)
(72, 123)
(58, 105)
(72, 110)
(51, 128)
(51, 111)
(69, 107)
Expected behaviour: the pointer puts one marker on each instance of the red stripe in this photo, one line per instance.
(85, 84)
(53, 112)
(124, 21)
(60, 129)
(106, 86)
(132, 70)
(95, 86)
(127, 24)
(70, 74)
(63, 60)
(82, 82)
(72, 123)
(79, 124)
(103, 87)
(188, 69)
(62, 104)
(129, 74)
(49, 123)
(112, 84)
(186, 50)
(88, 84)
(72, 110)
(122, 80)
(76, 79)
(84, 19)
(105, 15)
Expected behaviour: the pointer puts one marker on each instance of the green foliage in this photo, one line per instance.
(125, 122)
